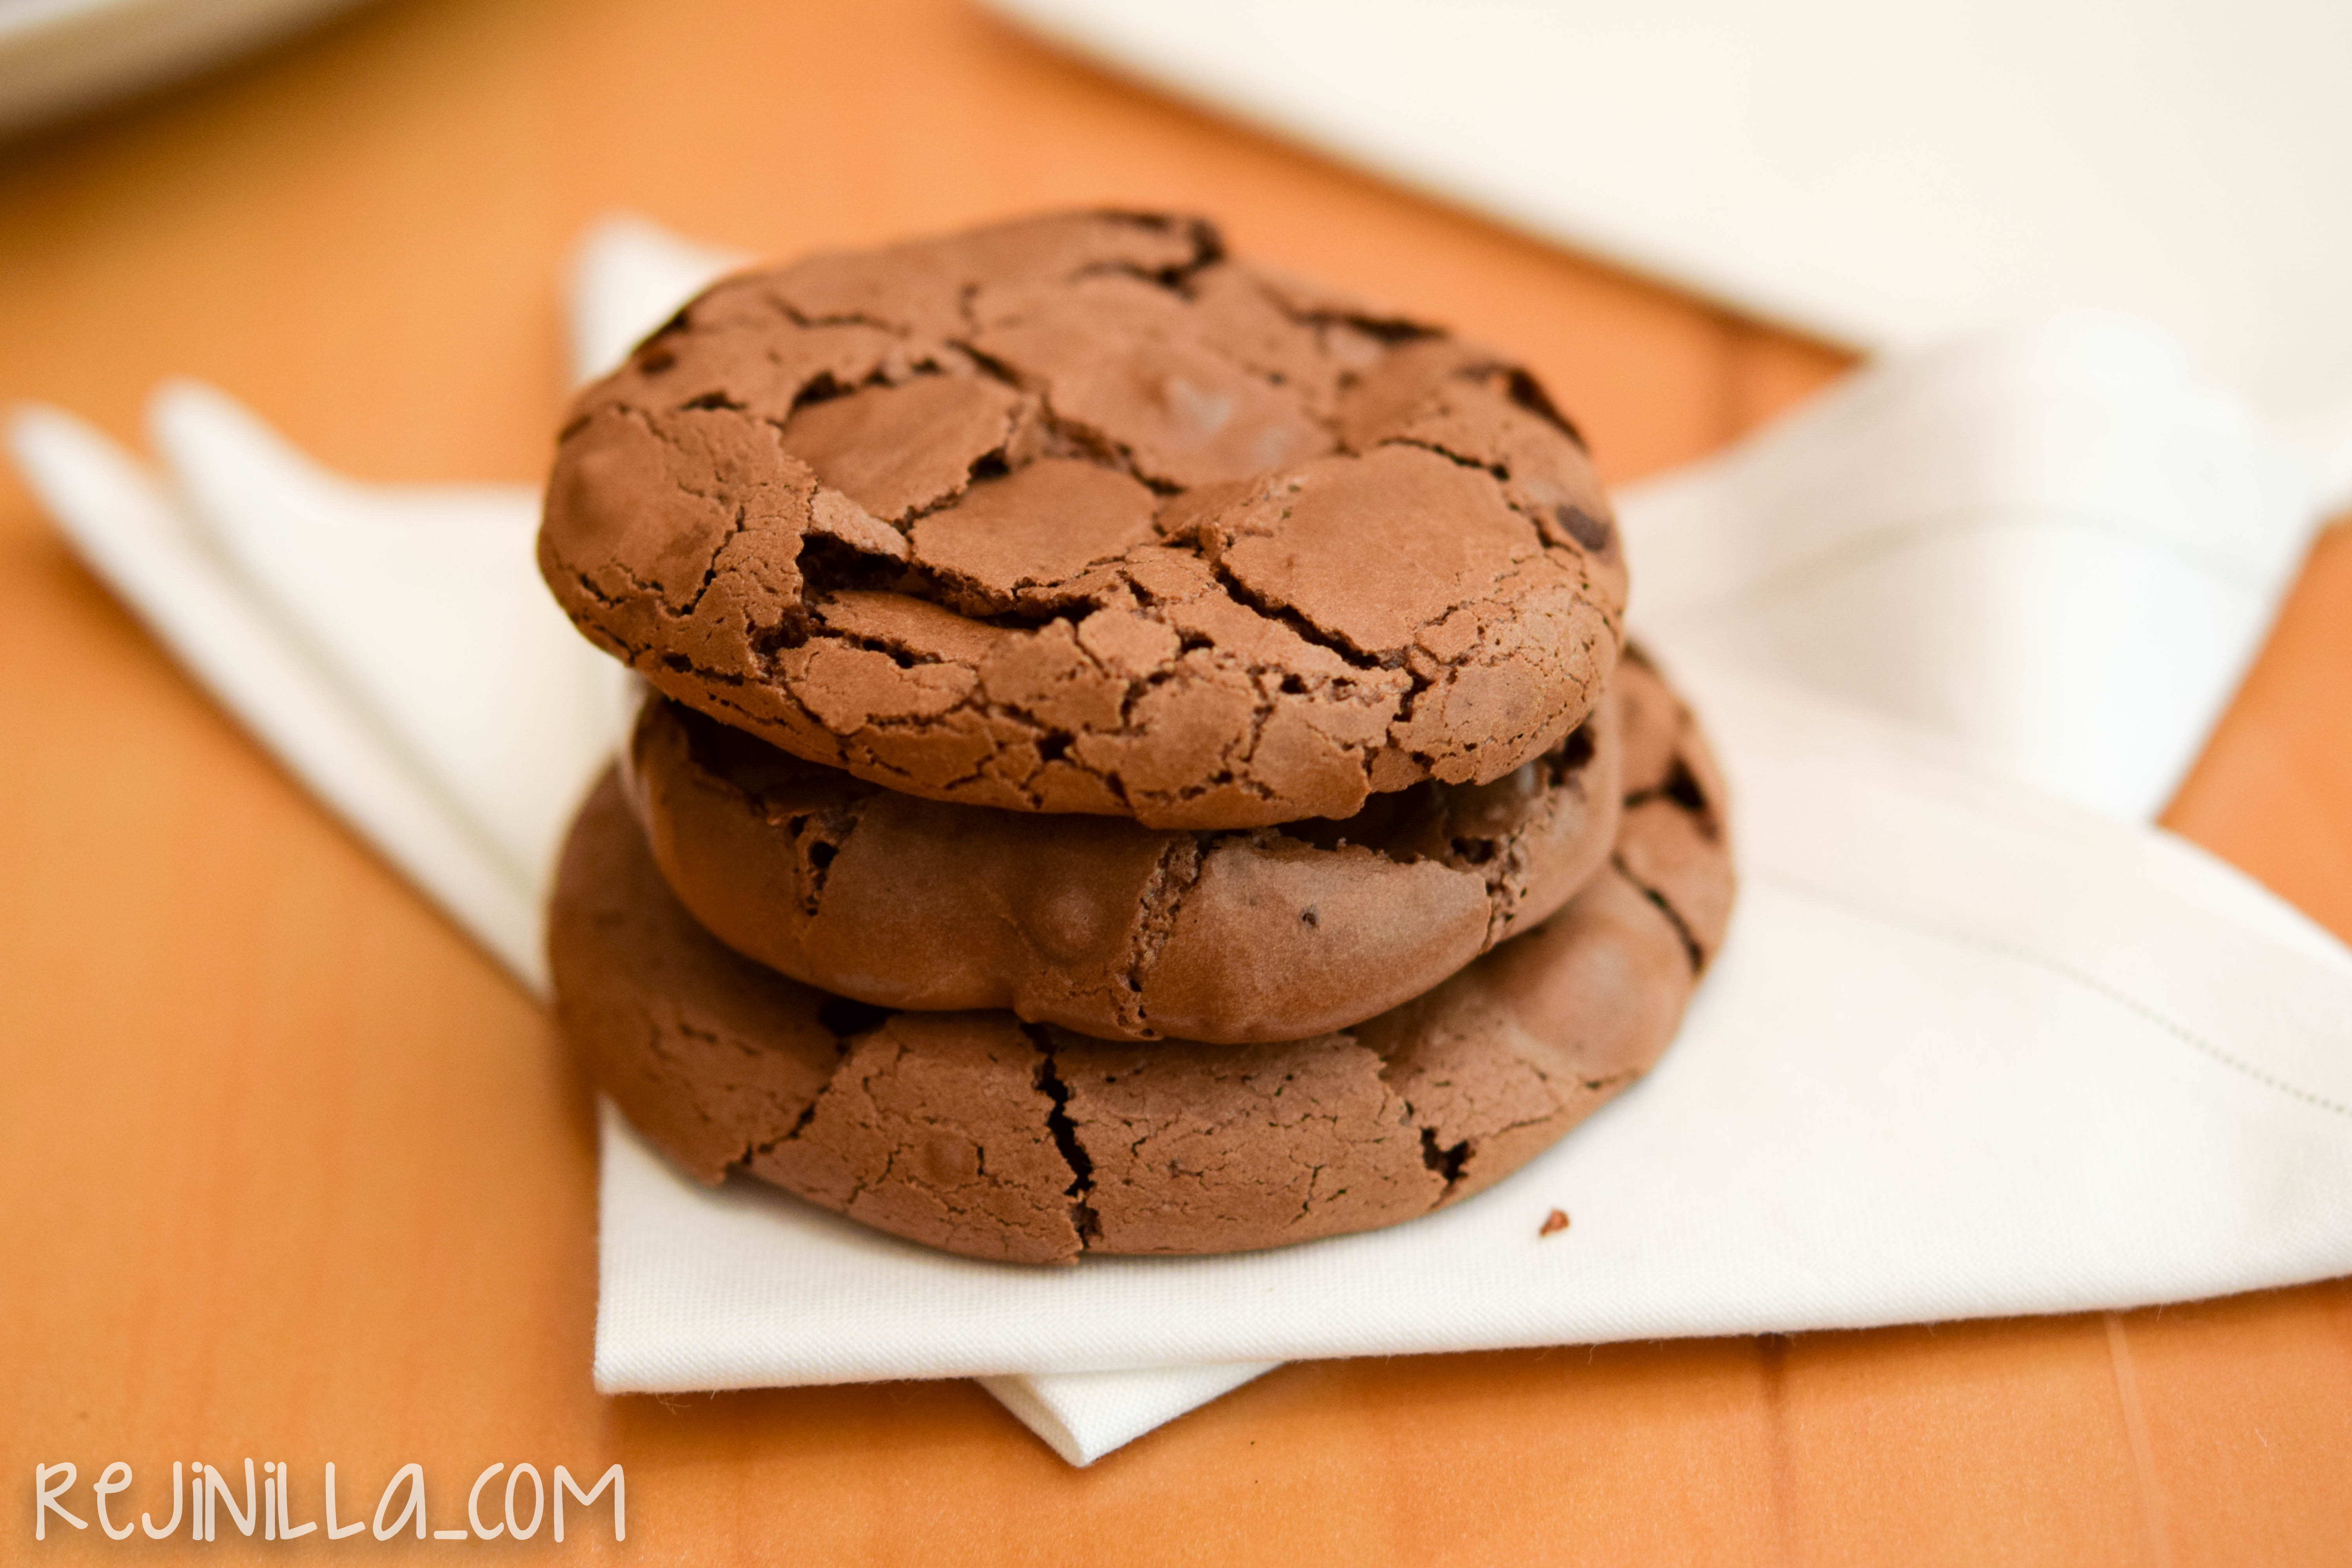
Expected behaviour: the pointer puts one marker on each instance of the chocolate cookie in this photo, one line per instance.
(1078, 515)
(974, 1132)
(1100, 924)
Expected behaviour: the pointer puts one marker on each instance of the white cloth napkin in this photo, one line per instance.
(364, 633)
(1886, 176)
(1970, 1051)
(2054, 544)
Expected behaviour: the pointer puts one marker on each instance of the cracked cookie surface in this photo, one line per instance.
(1078, 515)
(977, 1133)
(1100, 924)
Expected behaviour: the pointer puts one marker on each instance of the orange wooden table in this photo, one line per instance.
(288, 1169)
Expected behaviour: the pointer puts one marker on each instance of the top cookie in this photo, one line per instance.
(1077, 515)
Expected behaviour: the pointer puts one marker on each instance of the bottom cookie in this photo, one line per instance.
(976, 1133)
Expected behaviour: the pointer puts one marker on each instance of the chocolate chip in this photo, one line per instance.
(1593, 533)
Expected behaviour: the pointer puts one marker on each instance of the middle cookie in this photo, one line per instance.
(1098, 924)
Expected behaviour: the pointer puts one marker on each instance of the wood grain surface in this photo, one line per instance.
(288, 1169)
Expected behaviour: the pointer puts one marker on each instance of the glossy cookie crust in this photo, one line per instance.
(1079, 515)
(1100, 924)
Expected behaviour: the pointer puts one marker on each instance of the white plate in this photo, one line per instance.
(60, 56)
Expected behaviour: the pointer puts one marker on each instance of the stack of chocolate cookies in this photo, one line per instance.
(1142, 755)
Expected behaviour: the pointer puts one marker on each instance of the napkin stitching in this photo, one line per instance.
(2066, 971)
(1882, 543)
